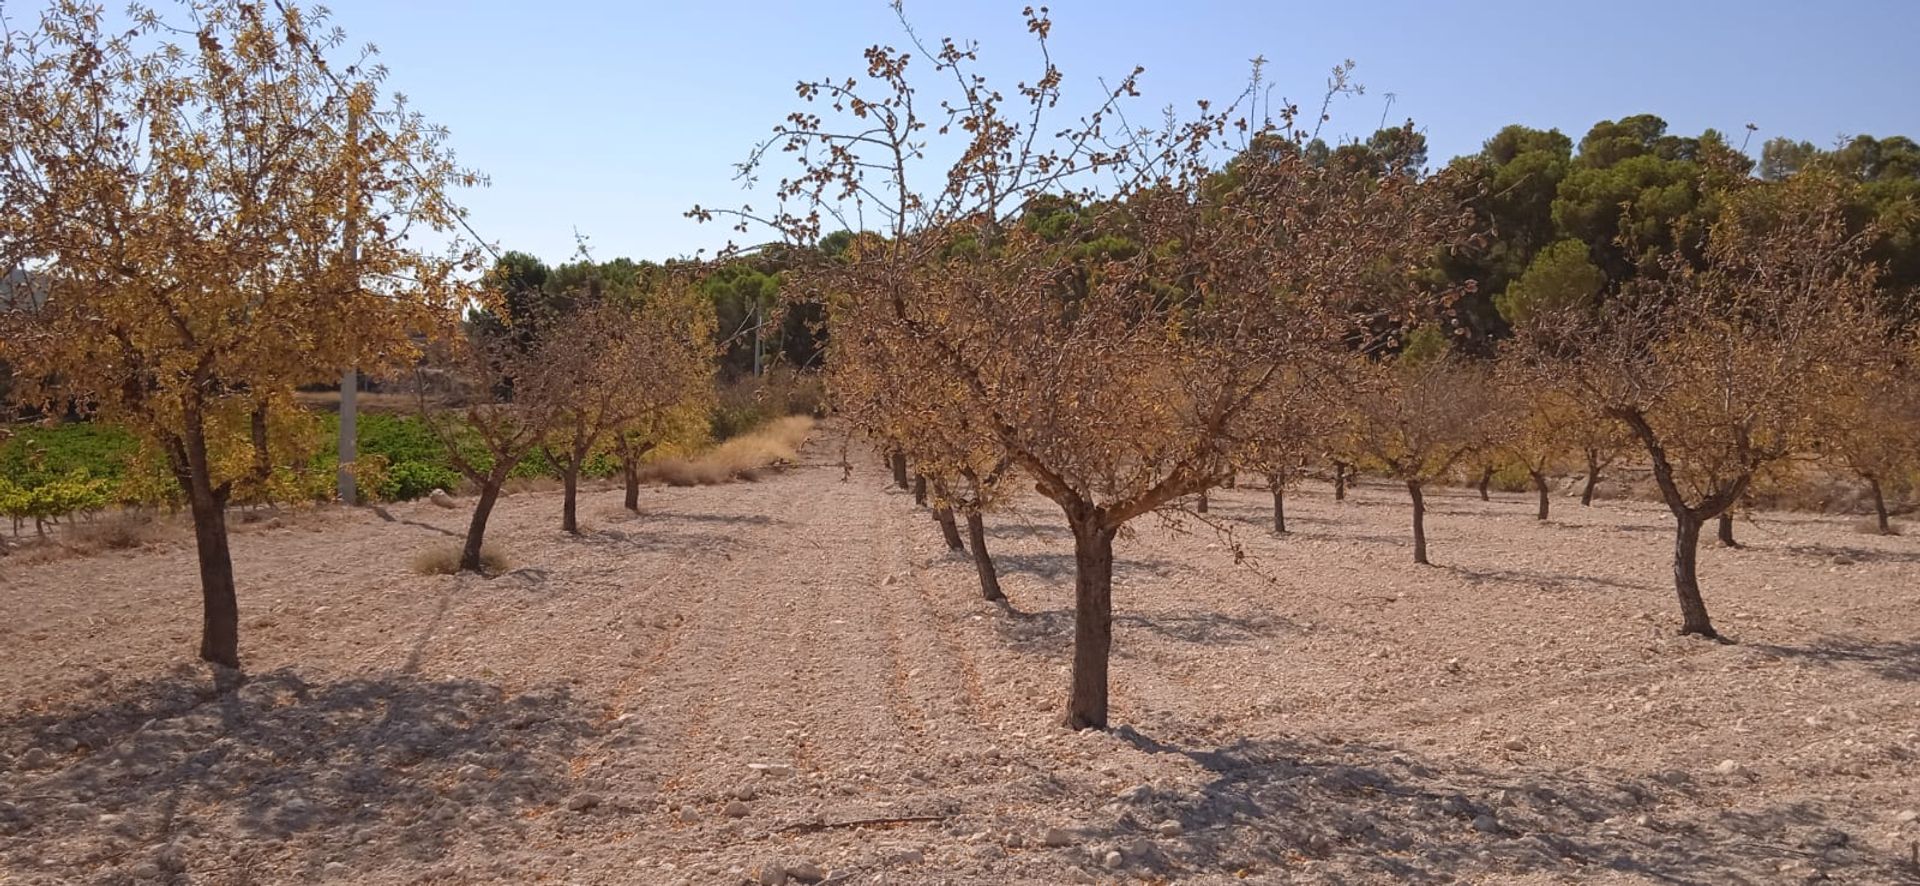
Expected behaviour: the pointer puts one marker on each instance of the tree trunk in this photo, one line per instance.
(220, 619)
(1726, 530)
(898, 460)
(983, 561)
(1232, 481)
(1593, 479)
(1092, 624)
(1540, 486)
(1277, 485)
(220, 607)
(1419, 522)
(920, 490)
(630, 471)
(1339, 481)
(1686, 579)
(1879, 506)
(1202, 505)
(1486, 479)
(943, 515)
(477, 528)
(570, 503)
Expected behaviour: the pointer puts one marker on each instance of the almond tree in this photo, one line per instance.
(488, 436)
(221, 210)
(1721, 370)
(1872, 426)
(1296, 401)
(1414, 419)
(1538, 438)
(1117, 379)
(623, 362)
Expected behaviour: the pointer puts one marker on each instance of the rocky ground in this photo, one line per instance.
(793, 681)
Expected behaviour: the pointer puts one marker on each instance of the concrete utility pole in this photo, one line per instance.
(350, 380)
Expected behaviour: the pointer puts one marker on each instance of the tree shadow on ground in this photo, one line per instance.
(1050, 631)
(1555, 581)
(699, 517)
(369, 772)
(1060, 566)
(1891, 659)
(1335, 811)
(1024, 529)
(390, 518)
(661, 538)
(1851, 552)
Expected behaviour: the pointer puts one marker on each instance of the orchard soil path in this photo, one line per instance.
(793, 677)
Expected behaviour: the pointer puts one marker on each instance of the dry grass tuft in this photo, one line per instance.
(445, 559)
(744, 457)
(123, 531)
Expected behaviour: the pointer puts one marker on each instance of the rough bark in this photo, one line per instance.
(1419, 522)
(983, 561)
(1688, 519)
(1486, 479)
(1092, 623)
(220, 607)
(943, 515)
(477, 527)
(1726, 530)
(1593, 479)
(1880, 506)
(220, 620)
(1540, 486)
(630, 472)
(1686, 579)
(570, 500)
(899, 462)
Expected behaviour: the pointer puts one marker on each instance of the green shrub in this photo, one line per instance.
(408, 480)
(36, 455)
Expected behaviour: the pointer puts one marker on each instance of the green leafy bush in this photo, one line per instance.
(408, 480)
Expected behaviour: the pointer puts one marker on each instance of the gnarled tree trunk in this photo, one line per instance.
(983, 561)
(920, 490)
(1419, 522)
(898, 460)
(1092, 622)
(477, 527)
(219, 603)
(943, 515)
(1879, 507)
(1486, 479)
(1201, 506)
(570, 501)
(1540, 486)
(630, 472)
(1726, 530)
(1686, 579)
(1339, 481)
(1279, 505)
(1593, 478)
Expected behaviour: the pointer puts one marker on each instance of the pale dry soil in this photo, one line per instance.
(793, 678)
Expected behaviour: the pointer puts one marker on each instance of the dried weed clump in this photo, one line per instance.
(445, 560)
(742, 458)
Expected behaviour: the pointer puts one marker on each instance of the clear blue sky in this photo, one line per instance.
(614, 118)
